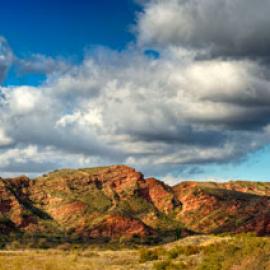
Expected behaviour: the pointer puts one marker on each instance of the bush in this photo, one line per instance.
(173, 253)
(147, 255)
(168, 265)
(183, 250)
(163, 265)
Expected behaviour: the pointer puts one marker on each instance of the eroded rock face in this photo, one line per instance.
(117, 201)
(13, 213)
(212, 208)
(161, 195)
(121, 179)
(115, 226)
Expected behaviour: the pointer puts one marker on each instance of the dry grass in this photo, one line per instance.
(242, 252)
(88, 259)
(71, 260)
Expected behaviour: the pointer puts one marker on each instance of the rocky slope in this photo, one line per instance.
(118, 202)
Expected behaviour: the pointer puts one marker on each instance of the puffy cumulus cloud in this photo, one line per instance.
(231, 27)
(4, 139)
(155, 114)
(23, 99)
(6, 58)
(33, 159)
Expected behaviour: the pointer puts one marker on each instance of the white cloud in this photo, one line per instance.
(33, 159)
(23, 99)
(233, 27)
(146, 112)
(91, 117)
(41, 64)
(4, 139)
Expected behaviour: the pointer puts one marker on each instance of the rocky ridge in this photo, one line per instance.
(117, 202)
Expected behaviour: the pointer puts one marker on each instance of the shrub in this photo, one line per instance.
(147, 255)
(168, 265)
(173, 253)
(163, 265)
(183, 250)
(178, 233)
(160, 251)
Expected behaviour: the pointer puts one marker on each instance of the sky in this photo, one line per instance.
(178, 89)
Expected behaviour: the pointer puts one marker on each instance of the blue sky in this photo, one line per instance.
(64, 28)
(144, 83)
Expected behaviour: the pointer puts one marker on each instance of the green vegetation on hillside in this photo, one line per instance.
(241, 252)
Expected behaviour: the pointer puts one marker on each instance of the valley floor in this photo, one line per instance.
(242, 252)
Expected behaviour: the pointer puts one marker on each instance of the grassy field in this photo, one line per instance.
(242, 252)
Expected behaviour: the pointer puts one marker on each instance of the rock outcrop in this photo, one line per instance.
(217, 208)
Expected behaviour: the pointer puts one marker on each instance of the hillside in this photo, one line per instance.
(118, 203)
